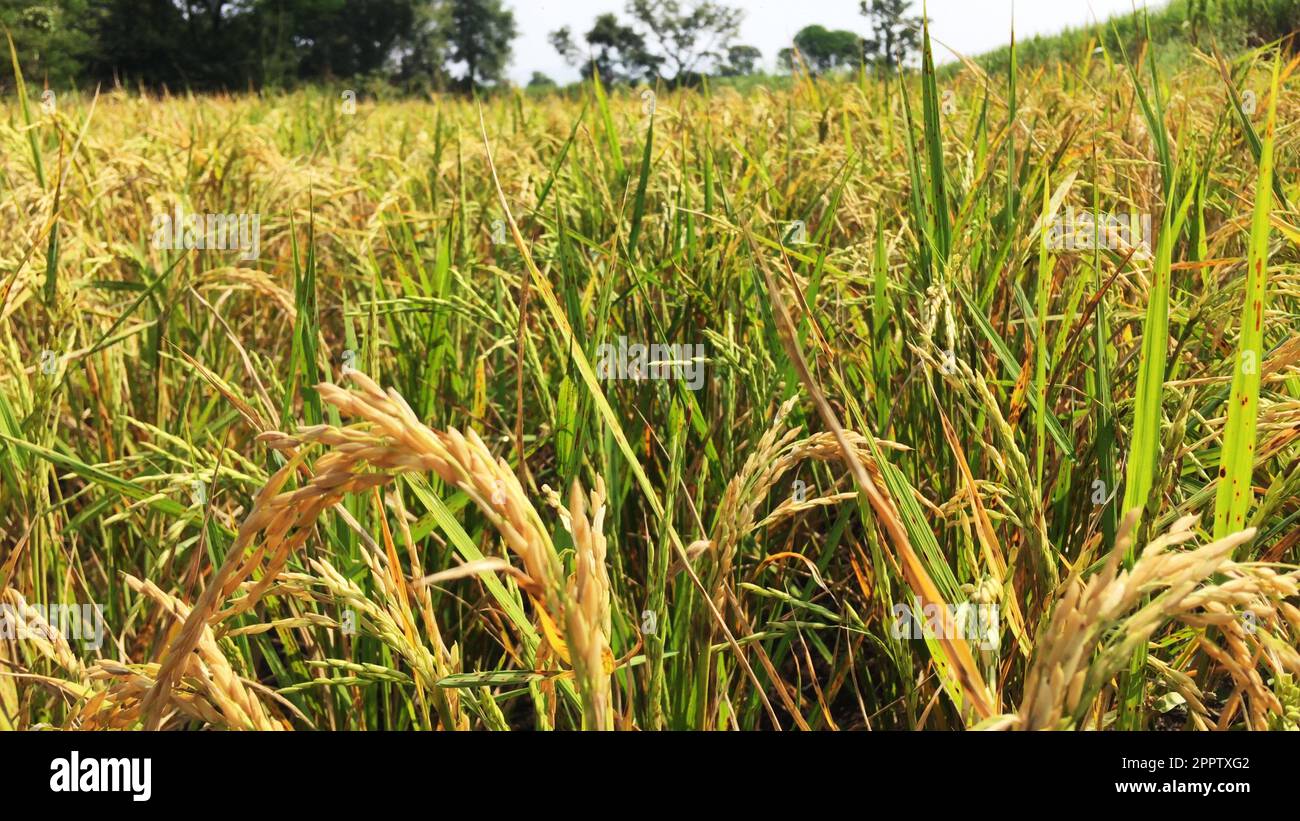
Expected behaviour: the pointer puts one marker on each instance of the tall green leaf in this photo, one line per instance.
(1237, 459)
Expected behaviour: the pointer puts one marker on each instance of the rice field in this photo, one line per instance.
(960, 400)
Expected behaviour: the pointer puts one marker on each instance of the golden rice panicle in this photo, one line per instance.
(1097, 625)
(209, 672)
(746, 490)
(33, 626)
(587, 608)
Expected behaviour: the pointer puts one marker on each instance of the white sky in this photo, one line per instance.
(969, 26)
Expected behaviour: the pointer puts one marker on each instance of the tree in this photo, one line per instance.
(741, 61)
(421, 56)
(52, 40)
(617, 53)
(896, 35)
(562, 41)
(540, 81)
(178, 43)
(479, 36)
(824, 50)
(687, 39)
(329, 38)
(232, 44)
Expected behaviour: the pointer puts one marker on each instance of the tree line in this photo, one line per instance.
(664, 40)
(413, 45)
(234, 45)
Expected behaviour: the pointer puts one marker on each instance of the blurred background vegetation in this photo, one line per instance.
(387, 47)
